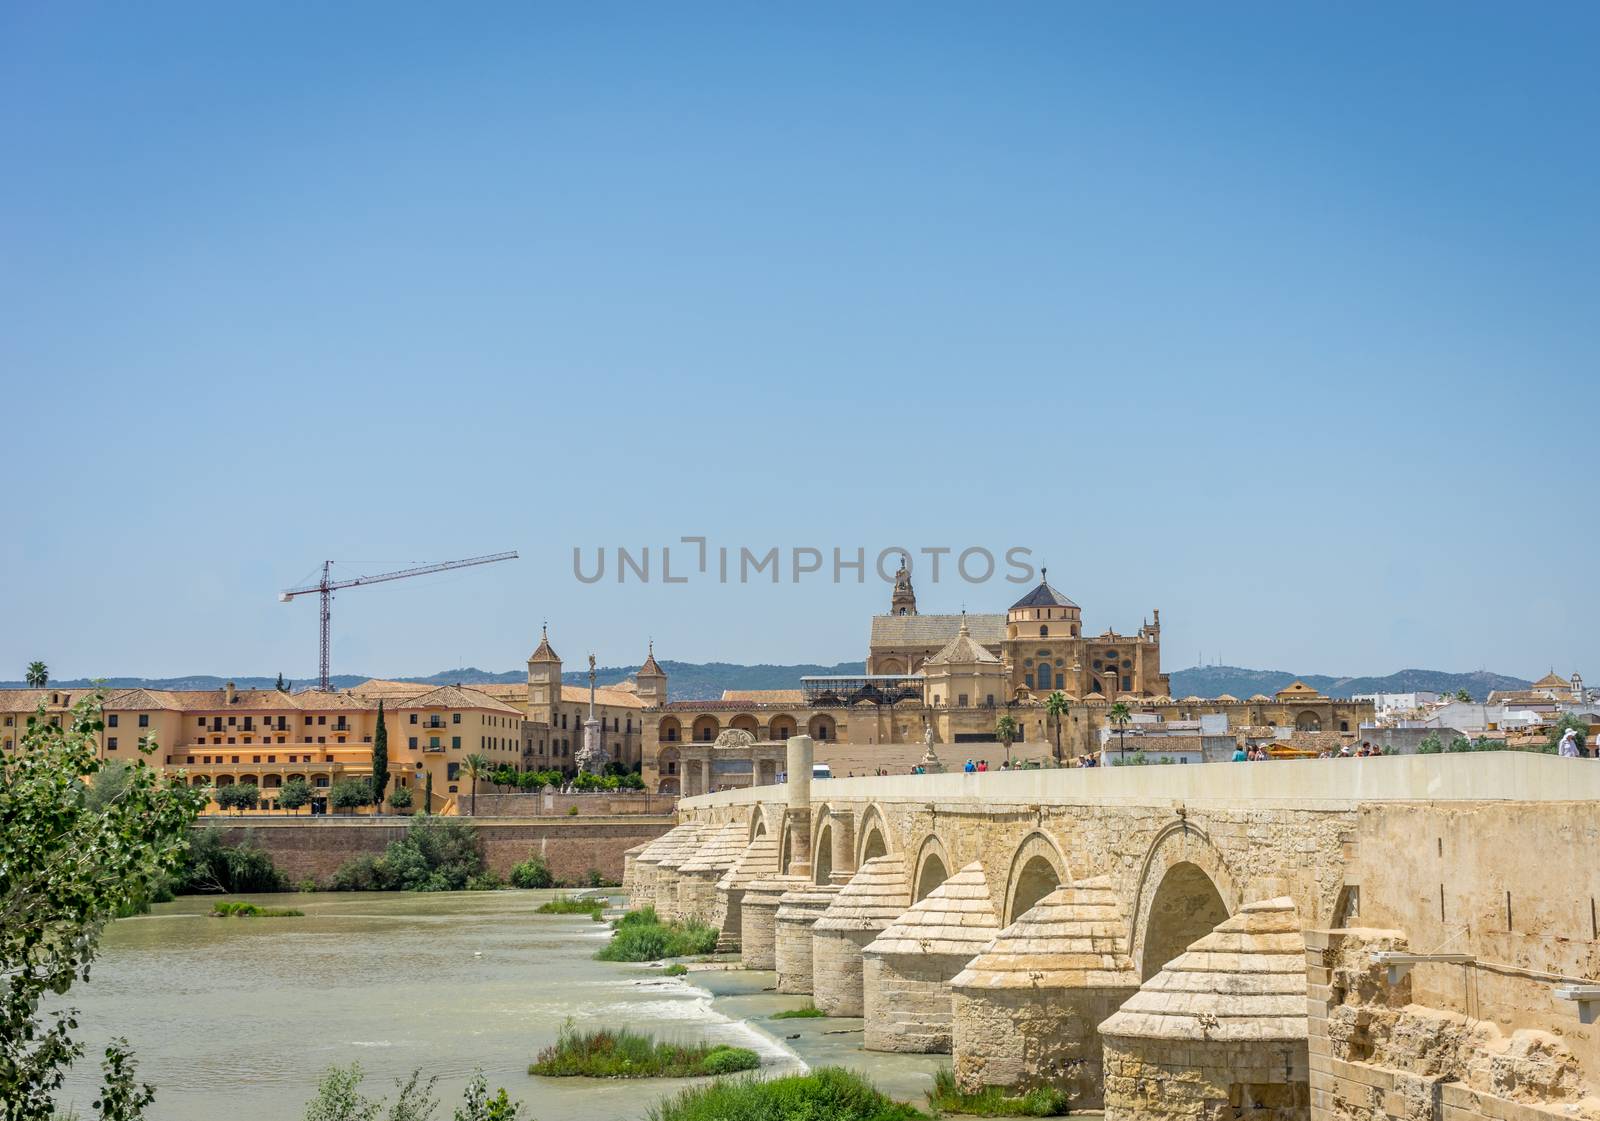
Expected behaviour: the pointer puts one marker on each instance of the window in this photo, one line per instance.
(255, 759)
(413, 742)
(413, 718)
(111, 743)
(962, 700)
(322, 720)
(1127, 683)
(308, 721)
(455, 742)
(455, 718)
(1044, 632)
(452, 771)
(111, 720)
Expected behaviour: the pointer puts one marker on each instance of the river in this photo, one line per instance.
(237, 1018)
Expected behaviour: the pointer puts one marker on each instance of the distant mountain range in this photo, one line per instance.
(707, 680)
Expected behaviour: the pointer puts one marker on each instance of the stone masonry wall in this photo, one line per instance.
(1022, 1038)
(907, 1002)
(572, 846)
(837, 970)
(758, 929)
(1149, 1079)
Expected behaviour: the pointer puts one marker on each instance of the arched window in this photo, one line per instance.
(1044, 632)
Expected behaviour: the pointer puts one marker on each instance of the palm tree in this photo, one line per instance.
(38, 675)
(1119, 715)
(1005, 730)
(476, 767)
(1056, 706)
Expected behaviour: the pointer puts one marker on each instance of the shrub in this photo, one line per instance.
(810, 1011)
(485, 881)
(436, 854)
(339, 1098)
(222, 909)
(572, 811)
(533, 872)
(212, 866)
(400, 797)
(566, 906)
(831, 1093)
(1430, 745)
(676, 969)
(622, 1053)
(642, 936)
(947, 1097)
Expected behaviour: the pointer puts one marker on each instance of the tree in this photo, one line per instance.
(294, 794)
(110, 783)
(427, 794)
(1463, 695)
(68, 867)
(1120, 716)
(283, 686)
(238, 796)
(1056, 707)
(380, 761)
(350, 793)
(1005, 730)
(400, 799)
(38, 675)
(475, 766)
(1559, 729)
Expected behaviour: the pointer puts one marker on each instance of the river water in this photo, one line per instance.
(237, 1018)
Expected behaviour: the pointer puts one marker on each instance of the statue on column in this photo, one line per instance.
(931, 763)
(591, 755)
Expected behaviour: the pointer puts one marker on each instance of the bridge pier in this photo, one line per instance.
(1028, 1010)
(875, 896)
(798, 912)
(907, 970)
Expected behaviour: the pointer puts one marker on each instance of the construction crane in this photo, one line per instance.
(328, 585)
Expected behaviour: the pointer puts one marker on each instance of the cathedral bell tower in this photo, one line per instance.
(904, 599)
(650, 683)
(544, 680)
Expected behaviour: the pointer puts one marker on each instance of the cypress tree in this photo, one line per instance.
(427, 796)
(380, 761)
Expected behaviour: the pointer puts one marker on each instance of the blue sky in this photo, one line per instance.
(1282, 321)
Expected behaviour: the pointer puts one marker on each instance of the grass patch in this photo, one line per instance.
(809, 1012)
(621, 1053)
(594, 908)
(831, 1093)
(676, 969)
(222, 910)
(642, 936)
(947, 1097)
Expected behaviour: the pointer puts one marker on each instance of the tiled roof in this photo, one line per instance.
(458, 696)
(1072, 938)
(1297, 689)
(1246, 980)
(682, 846)
(765, 696)
(1552, 680)
(616, 698)
(1043, 596)
(651, 666)
(719, 851)
(667, 842)
(963, 650)
(957, 917)
(934, 630)
(757, 861)
(876, 896)
(544, 653)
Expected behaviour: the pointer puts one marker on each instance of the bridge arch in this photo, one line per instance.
(758, 822)
(932, 867)
(873, 836)
(1037, 869)
(1185, 889)
(822, 852)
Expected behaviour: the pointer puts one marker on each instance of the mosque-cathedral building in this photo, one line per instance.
(949, 678)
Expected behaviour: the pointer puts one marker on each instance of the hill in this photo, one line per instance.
(1211, 681)
(706, 680)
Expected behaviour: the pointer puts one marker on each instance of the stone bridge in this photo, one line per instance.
(1197, 941)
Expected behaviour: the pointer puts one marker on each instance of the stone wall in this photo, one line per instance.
(535, 804)
(1154, 1078)
(313, 848)
(907, 1002)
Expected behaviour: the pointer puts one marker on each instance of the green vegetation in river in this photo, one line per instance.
(810, 1011)
(223, 909)
(562, 905)
(947, 1097)
(831, 1093)
(621, 1053)
(642, 936)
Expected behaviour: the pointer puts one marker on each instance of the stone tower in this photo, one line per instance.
(650, 683)
(904, 599)
(544, 680)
